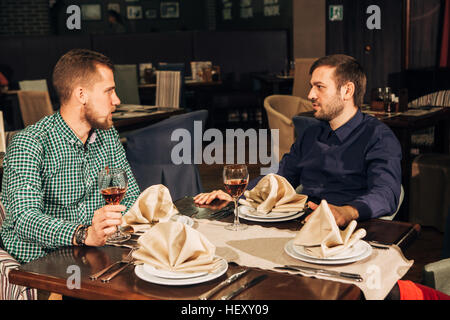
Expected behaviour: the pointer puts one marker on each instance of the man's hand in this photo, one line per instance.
(207, 198)
(343, 215)
(104, 223)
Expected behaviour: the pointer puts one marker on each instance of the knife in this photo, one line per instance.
(244, 287)
(346, 275)
(223, 284)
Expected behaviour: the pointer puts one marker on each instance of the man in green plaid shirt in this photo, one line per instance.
(50, 190)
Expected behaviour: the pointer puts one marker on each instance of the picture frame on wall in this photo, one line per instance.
(170, 10)
(151, 14)
(114, 6)
(134, 12)
(91, 12)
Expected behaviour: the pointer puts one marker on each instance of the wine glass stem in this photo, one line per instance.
(236, 214)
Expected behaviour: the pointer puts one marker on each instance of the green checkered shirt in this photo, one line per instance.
(50, 185)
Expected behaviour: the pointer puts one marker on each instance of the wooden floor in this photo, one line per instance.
(427, 248)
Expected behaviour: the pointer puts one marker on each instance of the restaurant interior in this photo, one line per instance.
(243, 64)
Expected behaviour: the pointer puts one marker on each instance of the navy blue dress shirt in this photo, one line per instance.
(358, 165)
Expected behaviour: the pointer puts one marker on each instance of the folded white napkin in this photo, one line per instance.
(152, 206)
(174, 246)
(273, 193)
(321, 237)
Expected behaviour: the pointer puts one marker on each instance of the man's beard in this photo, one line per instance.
(94, 122)
(332, 110)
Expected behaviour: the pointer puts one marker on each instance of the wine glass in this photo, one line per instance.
(235, 179)
(387, 99)
(113, 183)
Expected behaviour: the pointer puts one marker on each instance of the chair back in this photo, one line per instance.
(400, 201)
(34, 105)
(280, 110)
(33, 85)
(153, 155)
(168, 89)
(181, 67)
(2, 134)
(301, 123)
(301, 84)
(2, 214)
(446, 245)
(126, 79)
(438, 99)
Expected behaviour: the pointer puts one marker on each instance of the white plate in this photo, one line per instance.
(289, 248)
(141, 273)
(151, 270)
(250, 212)
(260, 219)
(356, 250)
(183, 219)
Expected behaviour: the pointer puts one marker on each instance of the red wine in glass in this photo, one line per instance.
(113, 184)
(235, 180)
(113, 195)
(235, 187)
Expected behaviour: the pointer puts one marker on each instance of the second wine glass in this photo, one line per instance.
(235, 179)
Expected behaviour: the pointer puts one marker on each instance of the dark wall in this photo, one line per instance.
(253, 15)
(192, 16)
(33, 57)
(379, 51)
(25, 17)
(244, 52)
(256, 15)
(237, 53)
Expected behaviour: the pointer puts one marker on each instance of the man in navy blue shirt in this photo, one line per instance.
(350, 159)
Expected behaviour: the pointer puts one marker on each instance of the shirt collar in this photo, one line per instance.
(64, 129)
(346, 129)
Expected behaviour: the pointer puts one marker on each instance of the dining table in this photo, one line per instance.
(55, 272)
(132, 117)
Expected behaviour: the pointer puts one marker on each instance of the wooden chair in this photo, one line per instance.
(168, 88)
(33, 85)
(34, 105)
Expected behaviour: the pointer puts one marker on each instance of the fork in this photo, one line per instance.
(128, 259)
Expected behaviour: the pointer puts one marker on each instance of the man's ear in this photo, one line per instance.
(348, 91)
(80, 95)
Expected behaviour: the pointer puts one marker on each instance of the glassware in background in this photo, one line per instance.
(113, 183)
(387, 99)
(235, 179)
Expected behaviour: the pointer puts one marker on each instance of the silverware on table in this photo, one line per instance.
(244, 287)
(115, 273)
(223, 284)
(330, 273)
(378, 245)
(126, 260)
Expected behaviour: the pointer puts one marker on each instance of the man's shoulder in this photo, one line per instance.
(37, 133)
(376, 125)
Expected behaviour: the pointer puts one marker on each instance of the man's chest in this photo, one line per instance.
(69, 174)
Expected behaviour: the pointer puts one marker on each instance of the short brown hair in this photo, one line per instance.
(347, 70)
(78, 66)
